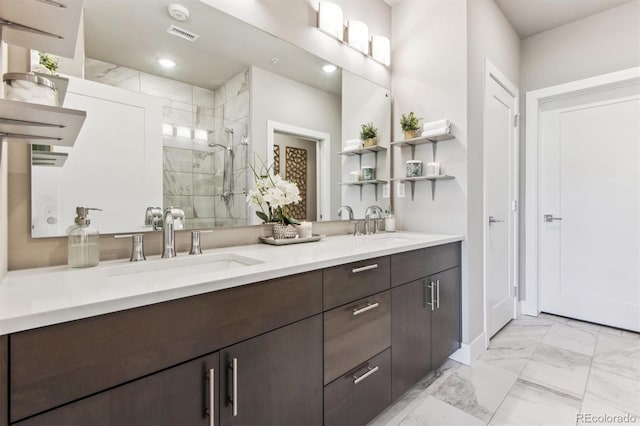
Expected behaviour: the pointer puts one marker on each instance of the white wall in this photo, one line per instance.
(363, 102)
(295, 21)
(276, 98)
(606, 42)
(429, 57)
(489, 36)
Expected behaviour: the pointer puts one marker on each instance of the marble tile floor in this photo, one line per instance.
(548, 370)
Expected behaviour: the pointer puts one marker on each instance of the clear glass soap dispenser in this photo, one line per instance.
(83, 240)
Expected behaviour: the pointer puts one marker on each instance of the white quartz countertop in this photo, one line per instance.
(45, 296)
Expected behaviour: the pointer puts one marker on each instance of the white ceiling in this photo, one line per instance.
(530, 17)
(133, 33)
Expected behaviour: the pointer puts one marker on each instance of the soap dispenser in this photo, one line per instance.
(83, 240)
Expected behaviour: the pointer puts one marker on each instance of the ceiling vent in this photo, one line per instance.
(182, 33)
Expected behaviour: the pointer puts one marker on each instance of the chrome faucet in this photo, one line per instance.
(172, 216)
(372, 210)
(348, 209)
(356, 223)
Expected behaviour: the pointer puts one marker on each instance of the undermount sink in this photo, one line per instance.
(202, 263)
(390, 238)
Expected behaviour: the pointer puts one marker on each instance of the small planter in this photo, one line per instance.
(283, 232)
(410, 134)
(370, 142)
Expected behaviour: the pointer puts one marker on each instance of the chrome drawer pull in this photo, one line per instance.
(364, 268)
(433, 302)
(370, 371)
(233, 399)
(212, 397)
(369, 307)
(438, 294)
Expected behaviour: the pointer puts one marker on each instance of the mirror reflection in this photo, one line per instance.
(177, 114)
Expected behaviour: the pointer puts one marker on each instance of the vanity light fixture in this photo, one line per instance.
(166, 62)
(354, 35)
(381, 49)
(201, 135)
(329, 68)
(167, 129)
(358, 35)
(331, 20)
(183, 132)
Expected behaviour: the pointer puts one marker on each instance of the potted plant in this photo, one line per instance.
(369, 135)
(49, 62)
(410, 125)
(271, 198)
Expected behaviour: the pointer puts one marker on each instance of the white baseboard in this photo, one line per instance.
(468, 353)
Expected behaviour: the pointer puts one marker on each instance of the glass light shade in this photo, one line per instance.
(183, 132)
(358, 35)
(330, 19)
(381, 49)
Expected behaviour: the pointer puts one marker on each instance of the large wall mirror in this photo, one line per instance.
(187, 135)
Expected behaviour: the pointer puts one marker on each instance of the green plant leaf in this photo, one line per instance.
(262, 216)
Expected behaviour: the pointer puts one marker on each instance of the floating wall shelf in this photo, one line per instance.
(362, 183)
(361, 151)
(39, 124)
(46, 25)
(48, 159)
(433, 140)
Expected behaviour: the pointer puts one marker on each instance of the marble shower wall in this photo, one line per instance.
(193, 171)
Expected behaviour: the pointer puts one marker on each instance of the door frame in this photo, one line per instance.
(534, 99)
(493, 73)
(323, 161)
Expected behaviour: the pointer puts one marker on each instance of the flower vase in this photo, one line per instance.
(368, 143)
(410, 134)
(282, 231)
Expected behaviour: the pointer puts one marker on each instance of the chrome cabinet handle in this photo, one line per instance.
(370, 371)
(234, 386)
(212, 397)
(438, 294)
(364, 268)
(550, 218)
(492, 220)
(366, 308)
(433, 302)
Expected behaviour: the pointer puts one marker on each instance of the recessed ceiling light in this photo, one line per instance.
(329, 68)
(166, 62)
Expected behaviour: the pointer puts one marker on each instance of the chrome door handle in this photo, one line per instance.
(364, 268)
(550, 218)
(438, 294)
(370, 371)
(366, 308)
(433, 302)
(234, 384)
(212, 397)
(492, 220)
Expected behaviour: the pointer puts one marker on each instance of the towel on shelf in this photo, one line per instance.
(433, 125)
(352, 144)
(436, 132)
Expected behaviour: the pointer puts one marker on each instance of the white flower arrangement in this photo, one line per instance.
(271, 197)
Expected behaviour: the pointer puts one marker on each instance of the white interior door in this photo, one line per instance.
(590, 190)
(500, 159)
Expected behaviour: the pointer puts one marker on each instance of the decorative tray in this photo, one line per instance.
(287, 241)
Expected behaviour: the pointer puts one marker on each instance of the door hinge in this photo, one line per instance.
(516, 120)
(514, 205)
(514, 291)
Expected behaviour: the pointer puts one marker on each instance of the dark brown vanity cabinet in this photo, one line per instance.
(425, 313)
(181, 395)
(275, 378)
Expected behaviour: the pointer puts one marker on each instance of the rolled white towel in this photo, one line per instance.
(436, 132)
(432, 125)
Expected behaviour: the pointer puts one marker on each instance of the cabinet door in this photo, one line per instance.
(180, 395)
(275, 378)
(445, 321)
(410, 335)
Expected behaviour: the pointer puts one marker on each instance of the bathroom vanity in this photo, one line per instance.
(331, 333)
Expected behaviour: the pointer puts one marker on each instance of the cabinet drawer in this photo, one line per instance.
(412, 265)
(57, 364)
(349, 403)
(345, 283)
(355, 332)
